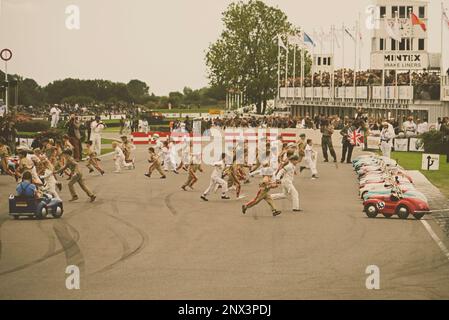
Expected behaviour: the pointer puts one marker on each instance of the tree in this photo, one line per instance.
(138, 90)
(244, 58)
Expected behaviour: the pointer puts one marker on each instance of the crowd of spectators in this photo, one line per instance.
(426, 84)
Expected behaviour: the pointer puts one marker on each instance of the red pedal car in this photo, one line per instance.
(394, 204)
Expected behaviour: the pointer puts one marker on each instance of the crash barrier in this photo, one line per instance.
(412, 144)
(138, 138)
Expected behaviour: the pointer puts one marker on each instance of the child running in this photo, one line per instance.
(92, 159)
(263, 193)
(155, 164)
(216, 178)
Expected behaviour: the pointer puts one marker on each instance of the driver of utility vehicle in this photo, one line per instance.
(26, 187)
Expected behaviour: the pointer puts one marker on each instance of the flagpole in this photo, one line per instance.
(303, 65)
(286, 69)
(355, 63)
(441, 56)
(411, 44)
(396, 93)
(343, 56)
(279, 68)
(294, 70)
(332, 84)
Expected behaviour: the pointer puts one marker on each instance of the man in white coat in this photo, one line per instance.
(96, 127)
(55, 112)
(286, 175)
(386, 139)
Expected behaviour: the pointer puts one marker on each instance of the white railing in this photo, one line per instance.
(362, 93)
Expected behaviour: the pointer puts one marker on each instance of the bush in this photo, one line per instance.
(33, 126)
(433, 142)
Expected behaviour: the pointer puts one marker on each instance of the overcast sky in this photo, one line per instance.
(161, 42)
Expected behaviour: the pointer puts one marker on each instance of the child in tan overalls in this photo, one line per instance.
(155, 164)
(263, 194)
(92, 158)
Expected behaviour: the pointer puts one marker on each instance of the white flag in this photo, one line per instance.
(393, 29)
(281, 43)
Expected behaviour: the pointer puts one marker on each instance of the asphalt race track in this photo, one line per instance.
(147, 239)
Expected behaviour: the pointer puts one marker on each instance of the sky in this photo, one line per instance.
(160, 42)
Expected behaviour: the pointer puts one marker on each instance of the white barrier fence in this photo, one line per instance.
(363, 92)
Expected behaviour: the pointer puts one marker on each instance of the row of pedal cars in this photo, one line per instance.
(387, 189)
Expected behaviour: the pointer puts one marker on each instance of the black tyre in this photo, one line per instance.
(58, 211)
(403, 212)
(41, 211)
(371, 211)
(16, 217)
(388, 216)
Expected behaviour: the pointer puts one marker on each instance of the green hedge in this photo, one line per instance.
(433, 142)
(33, 126)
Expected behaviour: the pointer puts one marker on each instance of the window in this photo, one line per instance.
(319, 61)
(393, 45)
(394, 11)
(421, 44)
(383, 11)
(422, 12)
(402, 45)
(402, 12)
(329, 62)
(382, 45)
(409, 11)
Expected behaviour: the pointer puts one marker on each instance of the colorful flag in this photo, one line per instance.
(417, 21)
(308, 39)
(355, 137)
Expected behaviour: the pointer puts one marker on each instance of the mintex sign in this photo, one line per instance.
(399, 61)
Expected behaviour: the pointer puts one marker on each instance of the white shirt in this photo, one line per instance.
(96, 128)
(158, 147)
(288, 173)
(423, 128)
(55, 111)
(409, 126)
(309, 152)
(386, 134)
(218, 169)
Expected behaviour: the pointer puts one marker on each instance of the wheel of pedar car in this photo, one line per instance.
(403, 212)
(41, 213)
(57, 212)
(418, 216)
(363, 194)
(388, 216)
(371, 211)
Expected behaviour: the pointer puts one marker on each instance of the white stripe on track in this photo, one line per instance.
(436, 239)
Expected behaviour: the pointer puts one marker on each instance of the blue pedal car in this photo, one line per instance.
(23, 206)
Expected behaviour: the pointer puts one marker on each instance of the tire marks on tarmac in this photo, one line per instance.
(127, 251)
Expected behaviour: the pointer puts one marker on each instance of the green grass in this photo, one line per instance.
(412, 161)
(106, 150)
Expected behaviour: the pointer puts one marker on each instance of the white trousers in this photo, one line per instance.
(54, 121)
(216, 182)
(288, 189)
(311, 164)
(120, 162)
(96, 142)
(385, 147)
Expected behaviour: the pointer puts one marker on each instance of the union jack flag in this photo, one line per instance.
(356, 137)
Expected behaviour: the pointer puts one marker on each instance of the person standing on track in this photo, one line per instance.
(327, 131)
(311, 159)
(386, 139)
(216, 179)
(97, 127)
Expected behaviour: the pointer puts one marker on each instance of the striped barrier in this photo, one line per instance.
(231, 136)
